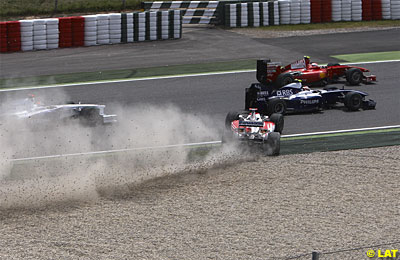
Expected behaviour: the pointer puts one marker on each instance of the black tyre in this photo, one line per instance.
(354, 76)
(276, 106)
(90, 117)
(279, 122)
(284, 79)
(230, 117)
(353, 101)
(272, 145)
(332, 64)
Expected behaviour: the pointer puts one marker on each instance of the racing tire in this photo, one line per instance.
(332, 64)
(230, 117)
(279, 122)
(90, 117)
(354, 76)
(284, 79)
(276, 106)
(353, 101)
(272, 146)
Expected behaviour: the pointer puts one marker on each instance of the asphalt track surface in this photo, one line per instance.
(215, 95)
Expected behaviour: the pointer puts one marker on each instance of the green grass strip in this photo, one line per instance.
(127, 73)
(373, 56)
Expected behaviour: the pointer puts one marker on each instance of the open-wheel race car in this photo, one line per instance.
(255, 130)
(30, 112)
(295, 98)
(310, 73)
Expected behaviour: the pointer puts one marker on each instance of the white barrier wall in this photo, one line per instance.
(115, 28)
(39, 34)
(356, 10)
(300, 11)
(386, 13)
(26, 35)
(90, 30)
(284, 11)
(52, 33)
(395, 9)
(295, 12)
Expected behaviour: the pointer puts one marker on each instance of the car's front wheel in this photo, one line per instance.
(354, 76)
(353, 101)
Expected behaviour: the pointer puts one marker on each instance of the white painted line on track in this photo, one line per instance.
(193, 144)
(370, 62)
(127, 80)
(160, 77)
(117, 151)
(343, 131)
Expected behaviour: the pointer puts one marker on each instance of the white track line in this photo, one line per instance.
(117, 151)
(193, 144)
(126, 80)
(160, 77)
(343, 131)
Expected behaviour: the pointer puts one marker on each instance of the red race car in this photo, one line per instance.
(272, 73)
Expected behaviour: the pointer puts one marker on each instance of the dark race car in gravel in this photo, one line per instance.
(254, 130)
(274, 75)
(296, 98)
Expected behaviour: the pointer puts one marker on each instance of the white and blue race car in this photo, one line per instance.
(295, 98)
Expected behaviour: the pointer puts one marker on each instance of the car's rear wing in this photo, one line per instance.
(251, 123)
(267, 71)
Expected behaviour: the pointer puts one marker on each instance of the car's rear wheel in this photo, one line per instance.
(354, 76)
(353, 101)
(284, 79)
(230, 117)
(279, 122)
(276, 106)
(90, 117)
(272, 145)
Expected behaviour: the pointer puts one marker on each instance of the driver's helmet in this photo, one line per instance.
(254, 115)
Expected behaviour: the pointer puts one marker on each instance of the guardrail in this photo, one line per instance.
(258, 13)
(89, 30)
(309, 11)
(195, 12)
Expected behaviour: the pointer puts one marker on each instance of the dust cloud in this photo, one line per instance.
(79, 177)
